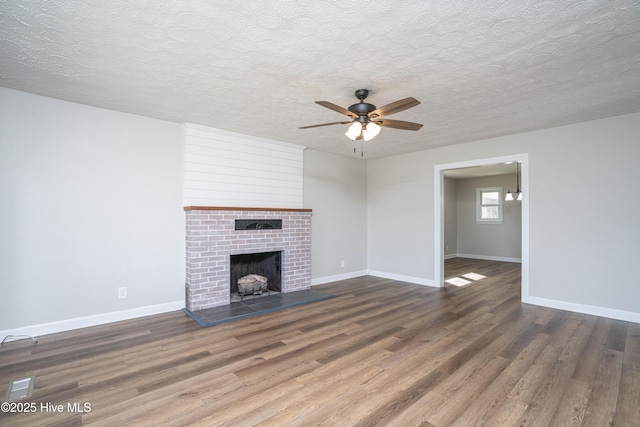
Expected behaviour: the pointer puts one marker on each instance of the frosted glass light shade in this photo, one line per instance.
(509, 196)
(370, 131)
(354, 131)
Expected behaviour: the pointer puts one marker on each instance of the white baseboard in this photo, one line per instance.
(98, 319)
(338, 277)
(402, 278)
(451, 256)
(487, 257)
(610, 313)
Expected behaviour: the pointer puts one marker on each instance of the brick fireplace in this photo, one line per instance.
(211, 240)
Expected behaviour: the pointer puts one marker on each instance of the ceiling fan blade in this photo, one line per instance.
(337, 108)
(324, 124)
(398, 124)
(394, 107)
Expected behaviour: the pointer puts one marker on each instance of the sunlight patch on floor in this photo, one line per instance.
(459, 281)
(473, 276)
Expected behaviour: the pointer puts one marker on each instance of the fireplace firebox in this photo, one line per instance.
(268, 264)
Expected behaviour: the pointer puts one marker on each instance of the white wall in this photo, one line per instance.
(234, 170)
(500, 241)
(90, 201)
(335, 187)
(584, 229)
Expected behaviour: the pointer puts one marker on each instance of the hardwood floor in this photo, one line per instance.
(381, 353)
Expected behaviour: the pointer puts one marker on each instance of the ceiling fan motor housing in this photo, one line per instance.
(362, 108)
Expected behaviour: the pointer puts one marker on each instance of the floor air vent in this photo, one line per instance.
(20, 389)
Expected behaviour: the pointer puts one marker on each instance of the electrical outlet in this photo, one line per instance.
(122, 292)
(342, 264)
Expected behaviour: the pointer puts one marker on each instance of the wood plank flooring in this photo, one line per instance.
(382, 352)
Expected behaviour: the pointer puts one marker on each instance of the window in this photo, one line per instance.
(489, 205)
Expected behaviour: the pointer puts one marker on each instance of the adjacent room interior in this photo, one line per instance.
(465, 233)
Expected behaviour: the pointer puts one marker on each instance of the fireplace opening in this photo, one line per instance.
(266, 264)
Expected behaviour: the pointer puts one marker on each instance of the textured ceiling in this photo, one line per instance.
(479, 68)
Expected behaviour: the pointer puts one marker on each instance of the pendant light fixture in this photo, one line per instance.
(518, 193)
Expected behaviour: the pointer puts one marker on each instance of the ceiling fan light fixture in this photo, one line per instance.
(354, 131)
(366, 119)
(370, 131)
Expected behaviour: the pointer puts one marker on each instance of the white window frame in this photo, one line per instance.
(479, 205)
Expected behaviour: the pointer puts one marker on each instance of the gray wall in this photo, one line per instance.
(335, 187)
(491, 241)
(90, 200)
(584, 229)
(450, 217)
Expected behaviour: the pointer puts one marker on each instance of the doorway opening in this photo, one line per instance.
(439, 214)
